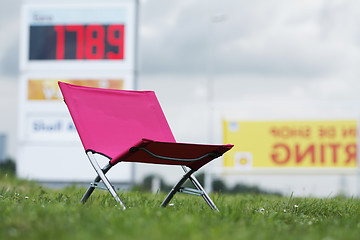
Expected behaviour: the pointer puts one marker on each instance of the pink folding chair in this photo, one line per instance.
(129, 126)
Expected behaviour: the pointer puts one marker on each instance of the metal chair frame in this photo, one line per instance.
(106, 184)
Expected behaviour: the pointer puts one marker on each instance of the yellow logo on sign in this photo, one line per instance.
(292, 143)
(48, 89)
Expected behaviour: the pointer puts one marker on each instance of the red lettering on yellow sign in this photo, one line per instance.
(283, 153)
(349, 132)
(327, 132)
(290, 132)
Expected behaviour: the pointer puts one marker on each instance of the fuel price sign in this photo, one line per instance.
(83, 36)
(83, 42)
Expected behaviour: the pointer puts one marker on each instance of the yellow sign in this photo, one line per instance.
(290, 144)
(48, 89)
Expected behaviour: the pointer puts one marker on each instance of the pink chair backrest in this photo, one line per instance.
(112, 121)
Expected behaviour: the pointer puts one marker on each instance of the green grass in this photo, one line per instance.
(29, 211)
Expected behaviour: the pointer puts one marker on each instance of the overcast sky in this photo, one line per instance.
(260, 53)
(277, 37)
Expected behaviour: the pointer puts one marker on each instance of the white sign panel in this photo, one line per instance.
(82, 43)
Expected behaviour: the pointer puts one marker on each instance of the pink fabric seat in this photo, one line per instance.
(193, 156)
(112, 121)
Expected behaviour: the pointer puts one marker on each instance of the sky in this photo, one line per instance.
(281, 38)
(308, 39)
(244, 59)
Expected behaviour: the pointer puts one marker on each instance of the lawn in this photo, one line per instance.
(29, 211)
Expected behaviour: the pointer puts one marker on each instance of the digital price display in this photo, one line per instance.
(77, 42)
(78, 36)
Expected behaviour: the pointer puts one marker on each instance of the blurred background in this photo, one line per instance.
(214, 60)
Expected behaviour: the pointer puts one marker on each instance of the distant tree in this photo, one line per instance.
(218, 186)
(8, 166)
(242, 188)
(147, 183)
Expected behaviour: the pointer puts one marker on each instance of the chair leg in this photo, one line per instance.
(89, 191)
(204, 195)
(105, 180)
(200, 188)
(96, 180)
(176, 188)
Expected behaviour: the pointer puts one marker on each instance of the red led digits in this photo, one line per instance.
(94, 45)
(79, 30)
(92, 42)
(115, 37)
(60, 39)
